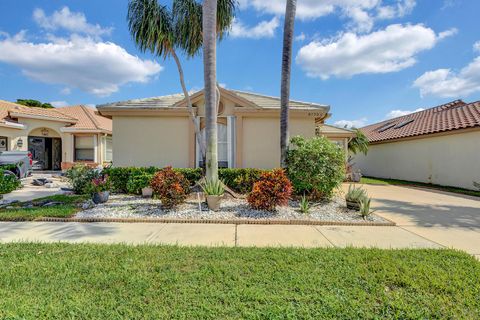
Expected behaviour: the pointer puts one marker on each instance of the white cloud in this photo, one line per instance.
(446, 83)
(351, 123)
(79, 62)
(59, 104)
(389, 50)
(66, 91)
(264, 29)
(301, 37)
(476, 46)
(447, 33)
(71, 21)
(222, 85)
(399, 113)
(362, 13)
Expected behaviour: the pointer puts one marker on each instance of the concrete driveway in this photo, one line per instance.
(448, 219)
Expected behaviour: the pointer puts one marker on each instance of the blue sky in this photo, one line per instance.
(368, 59)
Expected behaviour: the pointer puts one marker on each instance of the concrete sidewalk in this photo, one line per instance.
(214, 234)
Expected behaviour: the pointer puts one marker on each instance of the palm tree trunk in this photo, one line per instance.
(201, 144)
(285, 82)
(210, 77)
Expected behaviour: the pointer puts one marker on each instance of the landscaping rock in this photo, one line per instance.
(7, 203)
(50, 185)
(41, 181)
(52, 204)
(89, 204)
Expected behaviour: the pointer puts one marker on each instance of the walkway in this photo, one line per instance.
(425, 219)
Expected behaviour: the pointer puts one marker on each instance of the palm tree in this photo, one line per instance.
(210, 77)
(163, 32)
(285, 82)
(359, 143)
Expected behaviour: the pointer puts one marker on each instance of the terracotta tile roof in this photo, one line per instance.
(87, 117)
(7, 108)
(454, 115)
(80, 117)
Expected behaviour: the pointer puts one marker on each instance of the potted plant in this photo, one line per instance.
(354, 197)
(100, 189)
(214, 191)
(365, 207)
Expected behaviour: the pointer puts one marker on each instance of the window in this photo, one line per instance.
(108, 154)
(222, 145)
(3, 144)
(84, 150)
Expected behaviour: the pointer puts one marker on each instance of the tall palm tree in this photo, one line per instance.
(285, 82)
(163, 32)
(210, 77)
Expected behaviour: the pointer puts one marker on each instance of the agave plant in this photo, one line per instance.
(355, 194)
(304, 205)
(213, 187)
(365, 207)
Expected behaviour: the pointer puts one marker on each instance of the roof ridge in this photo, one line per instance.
(273, 97)
(95, 122)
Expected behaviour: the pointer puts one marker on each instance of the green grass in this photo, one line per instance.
(66, 281)
(67, 209)
(382, 181)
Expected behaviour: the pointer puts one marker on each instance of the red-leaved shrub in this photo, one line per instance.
(170, 186)
(271, 190)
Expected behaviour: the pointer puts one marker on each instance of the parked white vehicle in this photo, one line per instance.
(21, 160)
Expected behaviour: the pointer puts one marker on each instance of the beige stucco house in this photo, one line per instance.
(440, 145)
(57, 138)
(158, 131)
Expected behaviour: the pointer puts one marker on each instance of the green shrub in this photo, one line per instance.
(191, 174)
(240, 180)
(138, 181)
(80, 178)
(8, 183)
(273, 189)
(355, 194)
(315, 166)
(213, 188)
(171, 187)
(120, 176)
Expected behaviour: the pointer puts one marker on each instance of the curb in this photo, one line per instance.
(387, 223)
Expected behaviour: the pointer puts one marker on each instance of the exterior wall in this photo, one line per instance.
(151, 141)
(449, 160)
(261, 140)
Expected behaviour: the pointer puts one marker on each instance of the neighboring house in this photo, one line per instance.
(58, 137)
(440, 145)
(158, 131)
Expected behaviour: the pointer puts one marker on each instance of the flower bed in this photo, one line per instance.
(122, 206)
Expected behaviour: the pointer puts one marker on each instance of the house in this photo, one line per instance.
(440, 145)
(340, 136)
(57, 138)
(159, 132)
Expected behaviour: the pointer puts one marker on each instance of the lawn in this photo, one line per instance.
(67, 209)
(65, 281)
(381, 181)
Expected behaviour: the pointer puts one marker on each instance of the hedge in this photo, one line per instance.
(239, 179)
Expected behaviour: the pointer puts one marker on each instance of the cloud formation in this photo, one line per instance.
(264, 29)
(358, 123)
(389, 50)
(399, 113)
(82, 60)
(74, 22)
(446, 83)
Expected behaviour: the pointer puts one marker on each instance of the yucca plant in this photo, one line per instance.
(304, 205)
(365, 207)
(213, 187)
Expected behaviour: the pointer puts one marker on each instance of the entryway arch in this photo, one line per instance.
(45, 144)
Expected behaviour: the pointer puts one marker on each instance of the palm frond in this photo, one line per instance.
(187, 16)
(151, 26)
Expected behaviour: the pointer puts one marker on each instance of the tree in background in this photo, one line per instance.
(164, 32)
(286, 74)
(34, 103)
(359, 143)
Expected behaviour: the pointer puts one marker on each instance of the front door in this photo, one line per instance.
(36, 146)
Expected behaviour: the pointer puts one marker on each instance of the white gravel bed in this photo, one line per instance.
(128, 206)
